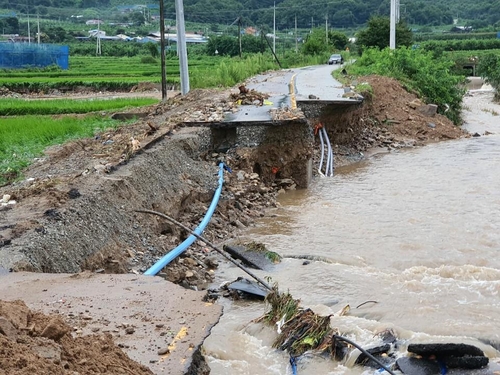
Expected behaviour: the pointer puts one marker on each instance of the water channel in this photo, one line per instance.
(418, 231)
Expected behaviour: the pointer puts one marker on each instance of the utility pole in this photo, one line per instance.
(181, 46)
(38, 28)
(98, 47)
(326, 29)
(274, 28)
(239, 33)
(296, 41)
(29, 31)
(392, 36)
(162, 52)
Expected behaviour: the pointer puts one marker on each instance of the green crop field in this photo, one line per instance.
(106, 73)
(21, 107)
(24, 138)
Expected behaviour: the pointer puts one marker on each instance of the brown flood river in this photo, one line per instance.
(418, 231)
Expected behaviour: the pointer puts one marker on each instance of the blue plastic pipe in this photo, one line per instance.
(174, 253)
(329, 162)
(322, 151)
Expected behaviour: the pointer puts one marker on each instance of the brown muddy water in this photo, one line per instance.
(418, 231)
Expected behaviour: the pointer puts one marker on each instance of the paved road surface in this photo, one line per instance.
(286, 88)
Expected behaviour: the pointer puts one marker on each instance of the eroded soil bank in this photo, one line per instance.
(75, 208)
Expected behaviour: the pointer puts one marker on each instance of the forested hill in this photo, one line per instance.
(340, 13)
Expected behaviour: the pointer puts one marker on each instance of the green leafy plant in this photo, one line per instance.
(419, 71)
(376, 35)
(148, 60)
(489, 68)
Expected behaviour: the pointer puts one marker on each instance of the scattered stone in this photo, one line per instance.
(429, 110)
(74, 193)
(56, 329)
(7, 328)
(211, 262)
(163, 351)
(416, 103)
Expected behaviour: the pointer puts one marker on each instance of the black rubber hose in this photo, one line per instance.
(220, 251)
(337, 337)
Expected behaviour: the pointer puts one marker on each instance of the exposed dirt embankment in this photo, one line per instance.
(389, 119)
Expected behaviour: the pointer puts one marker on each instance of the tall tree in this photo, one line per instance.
(378, 31)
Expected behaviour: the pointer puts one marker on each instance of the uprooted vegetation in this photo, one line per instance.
(300, 330)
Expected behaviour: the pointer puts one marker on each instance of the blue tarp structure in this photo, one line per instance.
(25, 55)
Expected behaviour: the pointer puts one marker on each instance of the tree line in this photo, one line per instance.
(337, 13)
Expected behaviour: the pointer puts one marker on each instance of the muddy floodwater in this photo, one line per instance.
(417, 231)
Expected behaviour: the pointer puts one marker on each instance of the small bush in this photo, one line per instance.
(148, 60)
(489, 68)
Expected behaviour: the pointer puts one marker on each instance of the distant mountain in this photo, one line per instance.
(338, 13)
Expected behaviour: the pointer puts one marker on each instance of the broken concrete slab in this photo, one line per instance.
(250, 259)
(248, 286)
(144, 314)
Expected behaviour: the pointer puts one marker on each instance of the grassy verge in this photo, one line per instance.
(19, 107)
(24, 138)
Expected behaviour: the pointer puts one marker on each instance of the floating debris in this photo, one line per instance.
(253, 254)
(249, 287)
(301, 330)
(305, 331)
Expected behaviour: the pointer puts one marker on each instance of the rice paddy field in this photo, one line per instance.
(122, 73)
(100, 73)
(24, 138)
(28, 126)
(22, 107)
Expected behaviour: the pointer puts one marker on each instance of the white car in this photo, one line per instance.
(336, 58)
